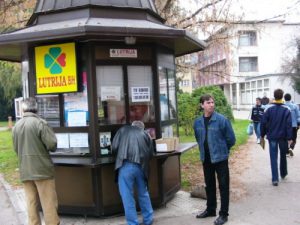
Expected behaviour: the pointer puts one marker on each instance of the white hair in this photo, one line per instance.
(138, 124)
(29, 105)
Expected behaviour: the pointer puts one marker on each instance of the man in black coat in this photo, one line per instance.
(133, 149)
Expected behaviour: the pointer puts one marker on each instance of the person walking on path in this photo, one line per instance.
(215, 137)
(32, 141)
(256, 114)
(295, 114)
(133, 149)
(277, 125)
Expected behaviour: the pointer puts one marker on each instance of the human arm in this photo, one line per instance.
(229, 134)
(47, 136)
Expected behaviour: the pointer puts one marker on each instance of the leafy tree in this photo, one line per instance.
(187, 109)
(10, 88)
(221, 104)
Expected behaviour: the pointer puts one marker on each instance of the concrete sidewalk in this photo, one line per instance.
(264, 204)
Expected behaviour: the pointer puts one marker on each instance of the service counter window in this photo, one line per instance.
(72, 143)
(140, 93)
(76, 107)
(172, 93)
(48, 109)
(169, 131)
(167, 94)
(110, 95)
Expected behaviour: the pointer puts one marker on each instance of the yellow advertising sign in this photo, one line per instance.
(55, 67)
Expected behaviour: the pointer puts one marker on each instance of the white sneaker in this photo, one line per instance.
(258, 141)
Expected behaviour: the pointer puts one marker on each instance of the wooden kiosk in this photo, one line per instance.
(95, 66)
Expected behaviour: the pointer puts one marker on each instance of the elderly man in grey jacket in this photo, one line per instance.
(32, 140)
(133, 149)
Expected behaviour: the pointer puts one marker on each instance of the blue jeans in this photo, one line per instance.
(257, 129)
(283, 146)
(130, 175)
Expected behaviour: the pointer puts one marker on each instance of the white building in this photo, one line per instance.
(249, 63)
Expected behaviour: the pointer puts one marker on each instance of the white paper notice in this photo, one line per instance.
(110, 93)
(140, 94)
(62, 140)
(79, 140)
(76, 119)
(161, 147)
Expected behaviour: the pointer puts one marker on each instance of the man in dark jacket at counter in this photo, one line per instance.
(32, 140)
(133, 149)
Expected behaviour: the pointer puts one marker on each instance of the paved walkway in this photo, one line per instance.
(264, 204)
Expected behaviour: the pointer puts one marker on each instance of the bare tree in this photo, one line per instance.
(14, 14)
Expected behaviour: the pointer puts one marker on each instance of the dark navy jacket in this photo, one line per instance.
(276, 122)
(257, 112)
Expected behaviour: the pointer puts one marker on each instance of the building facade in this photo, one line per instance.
(246, 61)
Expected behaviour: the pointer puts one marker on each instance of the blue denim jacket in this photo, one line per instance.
(294, 113)
(220, 137)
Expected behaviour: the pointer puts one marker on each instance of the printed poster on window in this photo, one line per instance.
(110, 93)
(140, 94)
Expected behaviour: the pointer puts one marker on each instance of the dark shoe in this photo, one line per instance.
(221, 220)
(291, 152)
(205, 214)
(275, 183)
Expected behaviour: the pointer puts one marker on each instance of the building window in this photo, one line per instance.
(185, 83)
(247, 38)
(248, 64)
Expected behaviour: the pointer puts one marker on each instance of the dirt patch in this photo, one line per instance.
(239, 161)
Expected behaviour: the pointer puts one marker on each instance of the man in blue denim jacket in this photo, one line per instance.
(295, 115)
(215, 137)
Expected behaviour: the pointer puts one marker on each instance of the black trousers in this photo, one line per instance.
(295, 130)
(222, 171)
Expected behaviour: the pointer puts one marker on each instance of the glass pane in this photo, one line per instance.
(253, 84)
(266, 82)
(163, 95)
(110, 95)
(48, 109)
(259, 83)
(76, 106)
(72, 143)
(140, 93)
(167, 131)
(248, 85)
(172, 93)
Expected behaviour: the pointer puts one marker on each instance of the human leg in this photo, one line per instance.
(48, 198)
(223, 179)
(210, 182)
(273, 147)
(283, 146)
(294, 138)
(32, 201)
(143, 196)
(126, 179)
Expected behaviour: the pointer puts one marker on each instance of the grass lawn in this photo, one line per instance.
(9, 162)
(8, 159)
(3, 123)
(192, 157)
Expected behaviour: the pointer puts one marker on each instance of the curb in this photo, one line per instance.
(17, 200)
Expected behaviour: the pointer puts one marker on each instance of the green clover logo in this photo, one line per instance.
(55, 60)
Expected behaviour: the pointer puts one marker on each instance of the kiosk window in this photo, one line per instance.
(140, 93)
(76, 106)
(48, 109)
(172, 93)
(167, 94)
(110, 95)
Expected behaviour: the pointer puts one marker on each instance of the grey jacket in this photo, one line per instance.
(32, 140)
(132, 144)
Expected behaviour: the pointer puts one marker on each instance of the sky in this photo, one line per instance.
(262, 9)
